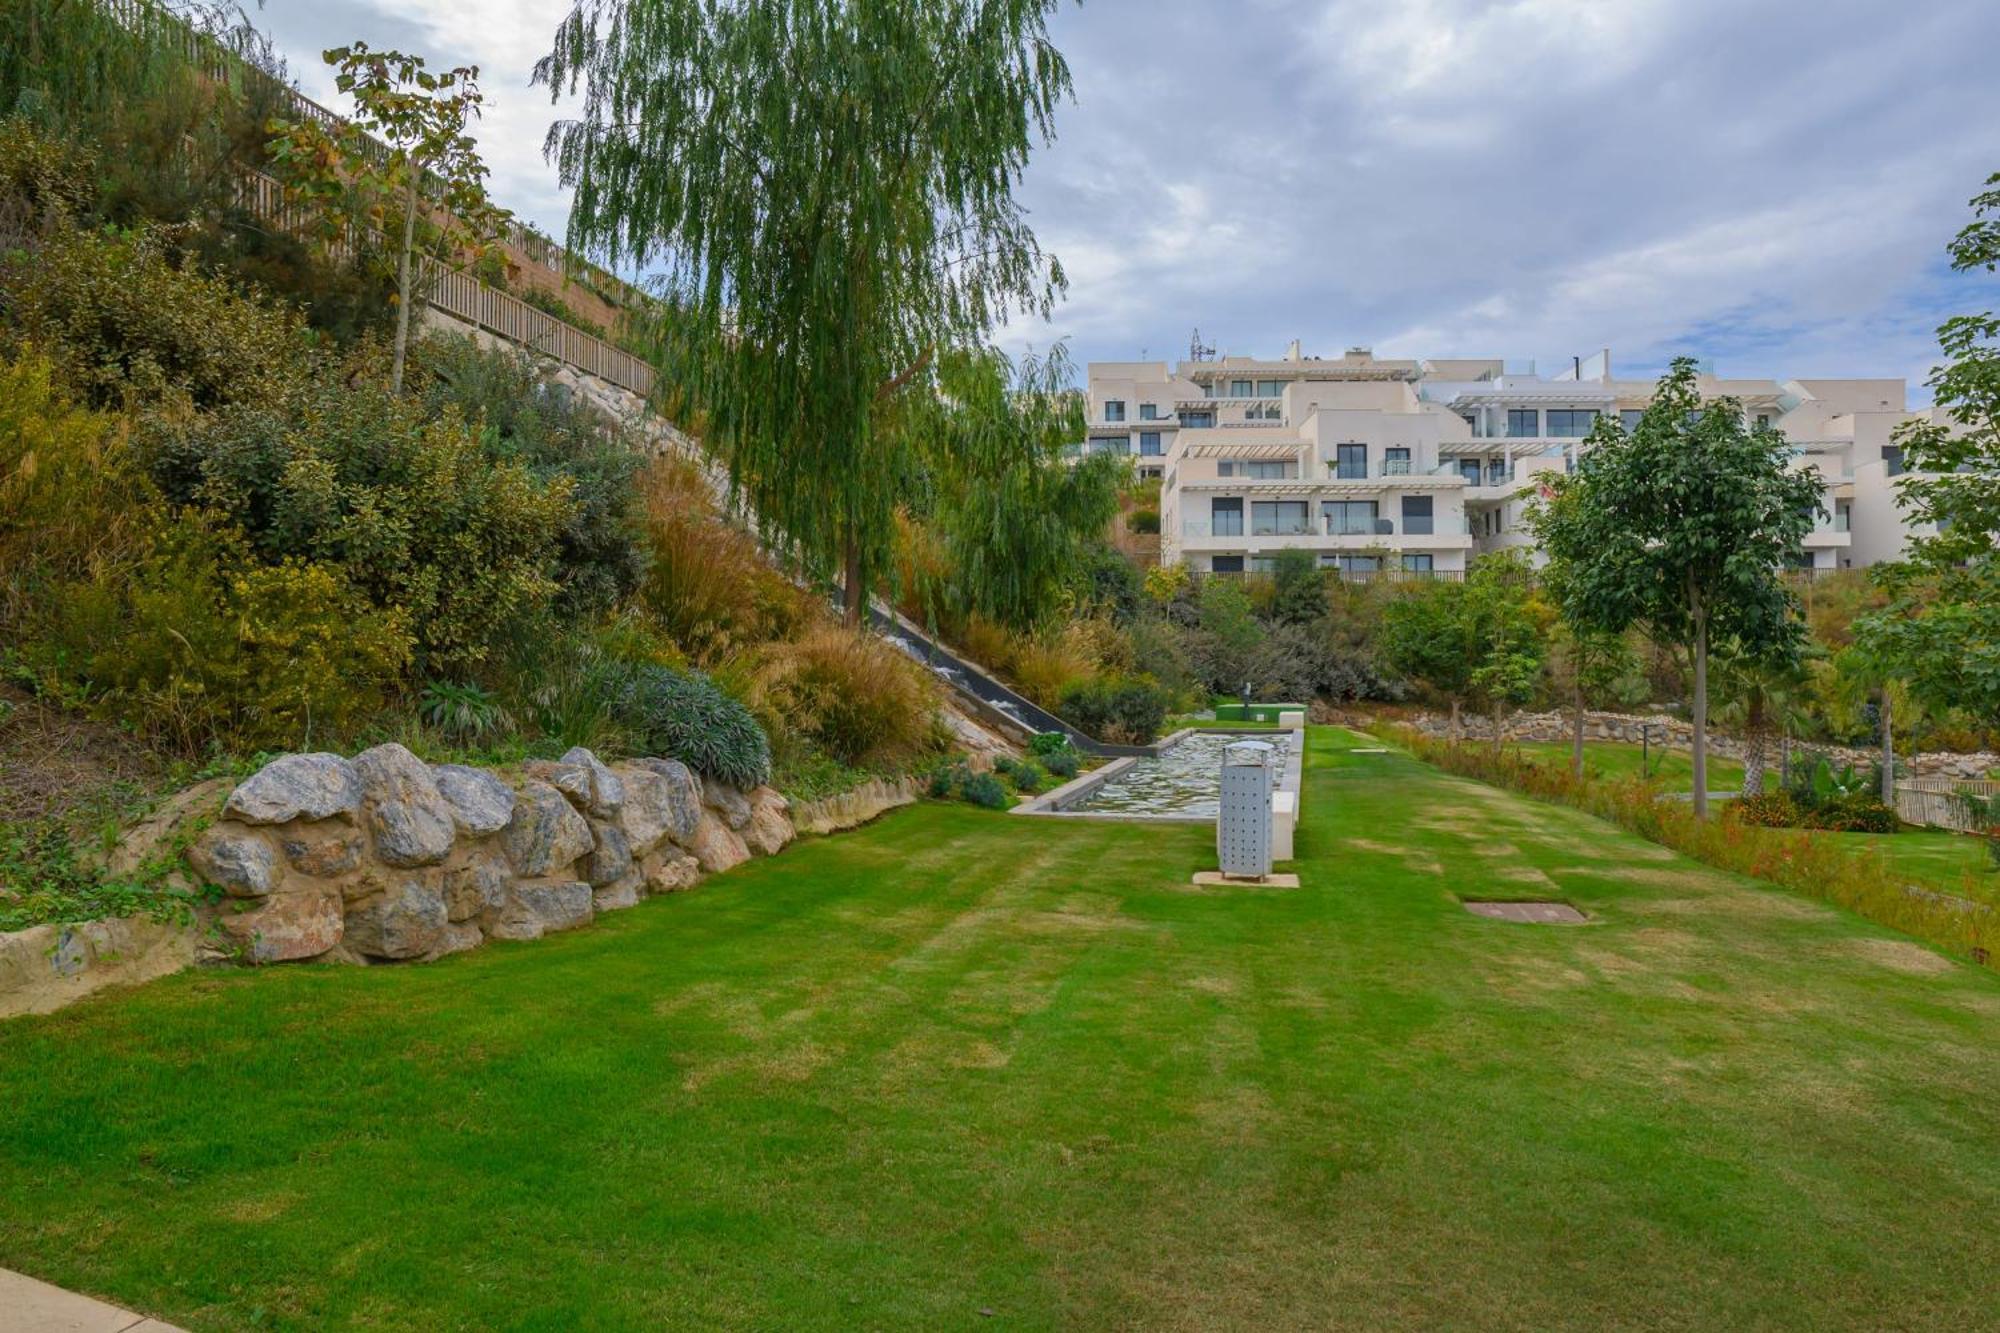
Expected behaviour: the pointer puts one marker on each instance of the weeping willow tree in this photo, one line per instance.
(827, 190)
(1014, 522)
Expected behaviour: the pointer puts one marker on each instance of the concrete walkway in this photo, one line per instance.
(29, 1306)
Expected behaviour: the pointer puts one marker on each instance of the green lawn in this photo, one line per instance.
(964, 1064)
(1933, 859)
(1614, 759)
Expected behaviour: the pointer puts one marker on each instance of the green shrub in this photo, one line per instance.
(1125, 711)
(128, 326)
(948, 778)
(1063, 764)
(682, 715)
(851, 696)
(1145, 521)
(463, 712)
(1046, 743)
(43, 878)
(1853, 812)
(984, 790)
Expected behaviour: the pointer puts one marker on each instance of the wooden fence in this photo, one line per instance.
(1935, 803)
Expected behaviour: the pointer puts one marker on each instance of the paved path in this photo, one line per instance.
(29, 1306)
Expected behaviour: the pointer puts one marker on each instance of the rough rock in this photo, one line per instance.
(411, 820)
(236, 859)
(406, 921)
(480, 802)
(536, 907)
(298, 786)
(546, 833)
(717, 846)
(43, 968)
(476, 887)
(605, 793)
(731, 804)
(684, 795)
(844, 810)
(610, 857)
(618, 894)
(325, 849)
(648, 815)
(770, 825)
(670, 871)
(303, 922)
(457, 937)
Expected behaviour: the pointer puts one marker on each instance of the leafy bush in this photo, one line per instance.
(1026, 776)
(947, 778)
(984, 790)
(1853, 812)
(1046, 743)
(1062, 764)
(43, 878)
(1125, 711)
(706, 583)
(682, 715)
(1772, 809)
(463, 712)
(129, 326)
(1143, 520)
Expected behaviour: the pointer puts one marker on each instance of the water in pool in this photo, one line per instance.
(1186, 780)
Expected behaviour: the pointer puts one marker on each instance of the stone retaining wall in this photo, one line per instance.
(1677, 734)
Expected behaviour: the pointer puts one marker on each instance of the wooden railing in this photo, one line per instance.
(461, 295)
(1935, 803)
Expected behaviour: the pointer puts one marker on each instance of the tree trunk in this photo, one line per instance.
(1700, 793)
(1455, 731)
(1888, 753)
(857, 593)
(1753, 744)
(403, 286)
(1499, 724)
(1576, 736)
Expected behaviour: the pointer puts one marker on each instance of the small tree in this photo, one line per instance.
(1759, 695)
(1298, 589)
(404, 160)
(1941, 631)
(1592, 662)
(1479, 640)
(1427, 637)
(1684, 526)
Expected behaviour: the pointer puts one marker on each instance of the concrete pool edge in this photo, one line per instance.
(1286, 800)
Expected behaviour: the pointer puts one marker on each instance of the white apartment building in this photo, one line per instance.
(1383, 467)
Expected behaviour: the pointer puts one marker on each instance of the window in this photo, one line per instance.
(1351, 565)
(1892, 454)
(1414, 563)
(1570, 423)
(1629, 418)
(1150, 473)
(1225, 469)
(1395, 462)
(1241, 388)
(1523, 422)
(1469, 469)
(1226, 564)
(1149, 411)
(1110, 444)
(1763, 420)
(1349, 518)
(1270, 388)
(1279, 518)
(1264, 412)
(1268, 471)
(1351, 461)
(1114, 409)
(1226, 516)
(1198, 420)
(1496, 472)
(1263, 564)
(1149, 444)
(1417, 515)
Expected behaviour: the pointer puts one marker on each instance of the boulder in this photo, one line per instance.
(412, 822)
(324, 849)
(536, 907)
(610, 856)
(618, 894)
(670, 871)
(475, 888)
(605, 793)
(238, 860)
(298, 786)
(648, 815)
(302, 922)
(770, 826)
(546, 833)
(457, 937)
(683, 797)
(406, 921)
(480, 802)
(717, 846)
(731, 804)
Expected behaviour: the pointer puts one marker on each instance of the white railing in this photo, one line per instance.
(1936, 803)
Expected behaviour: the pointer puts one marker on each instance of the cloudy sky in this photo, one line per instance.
(1767, 184)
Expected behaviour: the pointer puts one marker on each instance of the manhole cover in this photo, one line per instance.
(1543, 913)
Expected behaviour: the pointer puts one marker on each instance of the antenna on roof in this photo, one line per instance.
(1197, 351)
